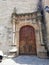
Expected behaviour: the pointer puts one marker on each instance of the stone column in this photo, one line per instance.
(40, 31)
(13, 30)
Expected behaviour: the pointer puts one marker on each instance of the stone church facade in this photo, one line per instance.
(22, 31)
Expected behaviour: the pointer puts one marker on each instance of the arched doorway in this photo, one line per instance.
(27, 42)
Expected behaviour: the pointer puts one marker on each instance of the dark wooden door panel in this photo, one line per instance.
(27, 40)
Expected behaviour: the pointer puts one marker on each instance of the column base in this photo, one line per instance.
(42, 55)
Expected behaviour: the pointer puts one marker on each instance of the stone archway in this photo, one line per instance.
(22, 21)
(27, 41)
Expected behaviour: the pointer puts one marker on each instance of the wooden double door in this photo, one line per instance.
(27, 42)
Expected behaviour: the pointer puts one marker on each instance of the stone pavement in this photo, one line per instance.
(25, 60)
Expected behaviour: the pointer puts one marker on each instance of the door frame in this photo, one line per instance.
(19, 20)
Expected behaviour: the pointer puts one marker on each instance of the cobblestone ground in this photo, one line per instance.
(25, 60)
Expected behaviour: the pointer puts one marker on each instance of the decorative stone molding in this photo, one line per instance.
(26, 16)
(32, 19)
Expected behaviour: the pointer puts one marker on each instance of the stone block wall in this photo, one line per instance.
(6, 9)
